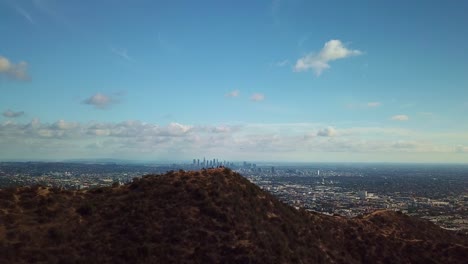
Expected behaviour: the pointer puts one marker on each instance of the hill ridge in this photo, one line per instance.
(206, 216)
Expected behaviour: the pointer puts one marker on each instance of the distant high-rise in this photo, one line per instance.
(362, 195)
(272, 170)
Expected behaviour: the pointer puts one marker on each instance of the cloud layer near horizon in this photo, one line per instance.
(12, 114)
(137, 140)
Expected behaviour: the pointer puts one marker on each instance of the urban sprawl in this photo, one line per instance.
(438, 193)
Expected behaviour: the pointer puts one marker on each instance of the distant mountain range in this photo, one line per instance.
(207, 216)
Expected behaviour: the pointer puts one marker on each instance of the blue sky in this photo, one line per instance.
(383, 81)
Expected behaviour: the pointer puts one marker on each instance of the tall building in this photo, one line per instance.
(362, 195)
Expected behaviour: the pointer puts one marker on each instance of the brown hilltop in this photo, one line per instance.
(208, 216)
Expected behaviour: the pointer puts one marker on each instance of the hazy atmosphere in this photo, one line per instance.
(352, 81)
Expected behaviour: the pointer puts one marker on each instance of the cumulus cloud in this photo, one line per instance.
(221, 129)
(400, 118)
(100, 101)
(318, 62)
(327, 132)
(18, 71)
(176, 129)
(257, 97)
(234, 93)
(134, 138)
(63, 125)
(12, 114)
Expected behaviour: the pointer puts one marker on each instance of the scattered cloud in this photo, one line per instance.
(234, 93)
(12, 114)
(257, 97)
(221, 129)
(374, 104)
(25, 14)
(327, 132)
(63, 125)
(176, 129)
(281, 63)
(318, 62)
(364, 105)
(400, 118)
(122, 53)
(100, 101)
(18, 71)
(138, 139)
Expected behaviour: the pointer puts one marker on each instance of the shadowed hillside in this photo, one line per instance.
(208, 216)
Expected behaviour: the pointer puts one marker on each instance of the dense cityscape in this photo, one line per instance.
(438, 193)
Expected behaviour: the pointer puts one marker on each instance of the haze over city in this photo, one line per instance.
(334, 81)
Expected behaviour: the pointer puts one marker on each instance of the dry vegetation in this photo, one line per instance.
(208, 216)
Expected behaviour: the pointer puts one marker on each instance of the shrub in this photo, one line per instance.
(86, 209)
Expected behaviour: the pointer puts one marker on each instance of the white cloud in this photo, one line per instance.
(374, 104)
(99, 100)
(234, 93)
(257, 97)
(400, 118)
(12, 114)
(327, 132)
(63, 125)
(281, 63)
(221, 129)
(176, 129)
(18, 71)
(136, 139)
(332, 50)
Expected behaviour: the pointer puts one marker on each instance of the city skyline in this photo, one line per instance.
(292, 81)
